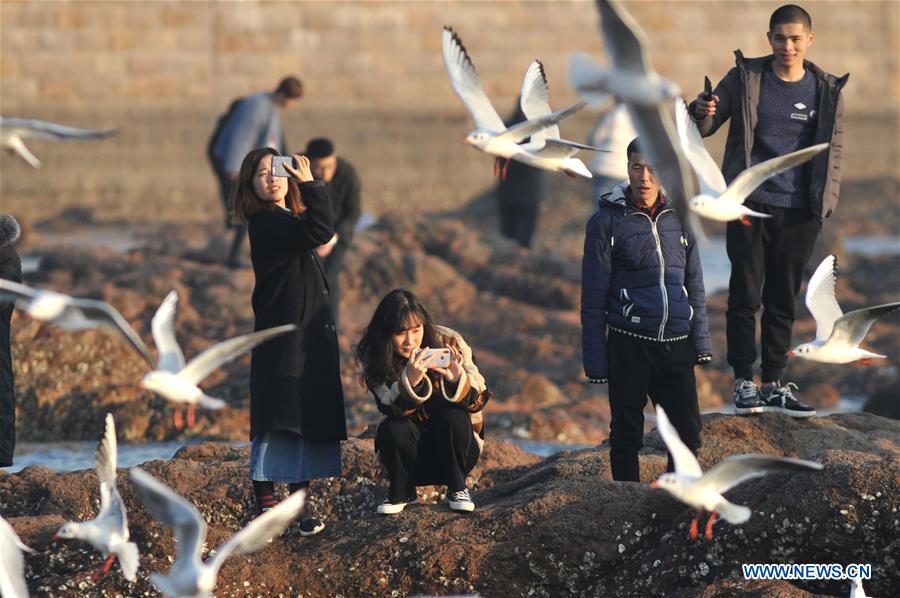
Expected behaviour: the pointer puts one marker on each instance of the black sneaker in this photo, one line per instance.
(746, 397)
(780, 399)
(304, 527)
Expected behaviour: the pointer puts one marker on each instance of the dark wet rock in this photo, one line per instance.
(552, 527)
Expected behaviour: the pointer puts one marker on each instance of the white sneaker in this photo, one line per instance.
(391, 508)
(461, 501)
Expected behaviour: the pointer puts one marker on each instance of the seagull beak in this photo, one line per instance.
(55, 538)
(792, 354)
(654, 484)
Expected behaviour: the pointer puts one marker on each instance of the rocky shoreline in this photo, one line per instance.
(551, 527)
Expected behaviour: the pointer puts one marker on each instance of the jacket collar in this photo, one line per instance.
(757, 64)
(617, 197)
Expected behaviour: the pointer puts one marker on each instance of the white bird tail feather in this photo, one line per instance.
(584, 73)
(128, 560)
(577, 166)
(209, 402)
(758, 214)
(732, 513)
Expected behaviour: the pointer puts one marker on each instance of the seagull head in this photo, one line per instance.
(68, 531)
(47, 306)
(668, 482)
(478, 138)
(705, 205)
(802, 350)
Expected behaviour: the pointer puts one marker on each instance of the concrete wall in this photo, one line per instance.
(381, 54)
(163, 71)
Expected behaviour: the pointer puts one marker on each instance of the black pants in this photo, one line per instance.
(441, 451)
(767, 261)
(518, 220)
(240, 230)
(333, 264)
(7, 390)
(663, 371)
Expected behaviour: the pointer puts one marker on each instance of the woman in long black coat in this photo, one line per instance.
(296, 400)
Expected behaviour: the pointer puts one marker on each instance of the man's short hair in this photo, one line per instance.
(320, 147)
(790, 13)
(290, 87)
(633, 148)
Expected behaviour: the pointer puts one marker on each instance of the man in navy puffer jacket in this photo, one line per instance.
(641, 281)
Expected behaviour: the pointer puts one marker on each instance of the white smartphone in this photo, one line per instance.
(441, 361)
(278, 163)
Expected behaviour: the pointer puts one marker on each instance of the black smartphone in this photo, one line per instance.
(707, 87)
(278, 163)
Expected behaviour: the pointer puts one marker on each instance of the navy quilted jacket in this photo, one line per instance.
(641, 277)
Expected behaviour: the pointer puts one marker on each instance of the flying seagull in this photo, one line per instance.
(14, 130)
(546, 146)
(176, 381)
(108, 532)
(12, 563)
(716, 200)
(190, 576)
(837, 334)
(647, 97)
(491, 135)
(71, 313)
(704, 491)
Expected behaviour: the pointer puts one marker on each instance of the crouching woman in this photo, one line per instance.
(434, 431)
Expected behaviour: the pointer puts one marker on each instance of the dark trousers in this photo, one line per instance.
(440, 451)
(7, 390)
(518, 220)
(333, 264)
(240, 230)
(640, 368)
(767, 261)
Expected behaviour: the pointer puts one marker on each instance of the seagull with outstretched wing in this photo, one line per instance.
(545, 146)
(838, 334)
(703, 491)
(12, 563)
(108, 532)
(491, 135)
(718, 201)
(14, 130)
(647, 97)
(71, 313)
(190, 576)
(177, 381)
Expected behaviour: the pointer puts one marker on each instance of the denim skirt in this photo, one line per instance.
(287, 457)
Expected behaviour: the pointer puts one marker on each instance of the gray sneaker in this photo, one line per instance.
(746, 397)
(780, 399)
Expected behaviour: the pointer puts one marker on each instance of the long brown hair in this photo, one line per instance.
(398, 310)
(244, 200)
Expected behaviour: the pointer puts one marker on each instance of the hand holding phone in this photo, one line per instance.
(293, 166)
(436, 358)
(278, 168)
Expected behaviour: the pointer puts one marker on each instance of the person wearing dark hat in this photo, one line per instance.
(10, 269)
(343, 196)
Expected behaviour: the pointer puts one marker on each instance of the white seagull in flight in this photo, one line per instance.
(14, 130)
(12, 564)
(108, 532)
(545, 146)
(704, 491)
(716, 200)
(647, 97)
(176, 381)
(71, 313)
(190, 576)
(837, 334)
(491, 135)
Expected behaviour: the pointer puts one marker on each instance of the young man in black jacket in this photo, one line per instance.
(777, 104)
(343, 197)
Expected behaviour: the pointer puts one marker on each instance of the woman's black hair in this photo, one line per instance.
(397, 311)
